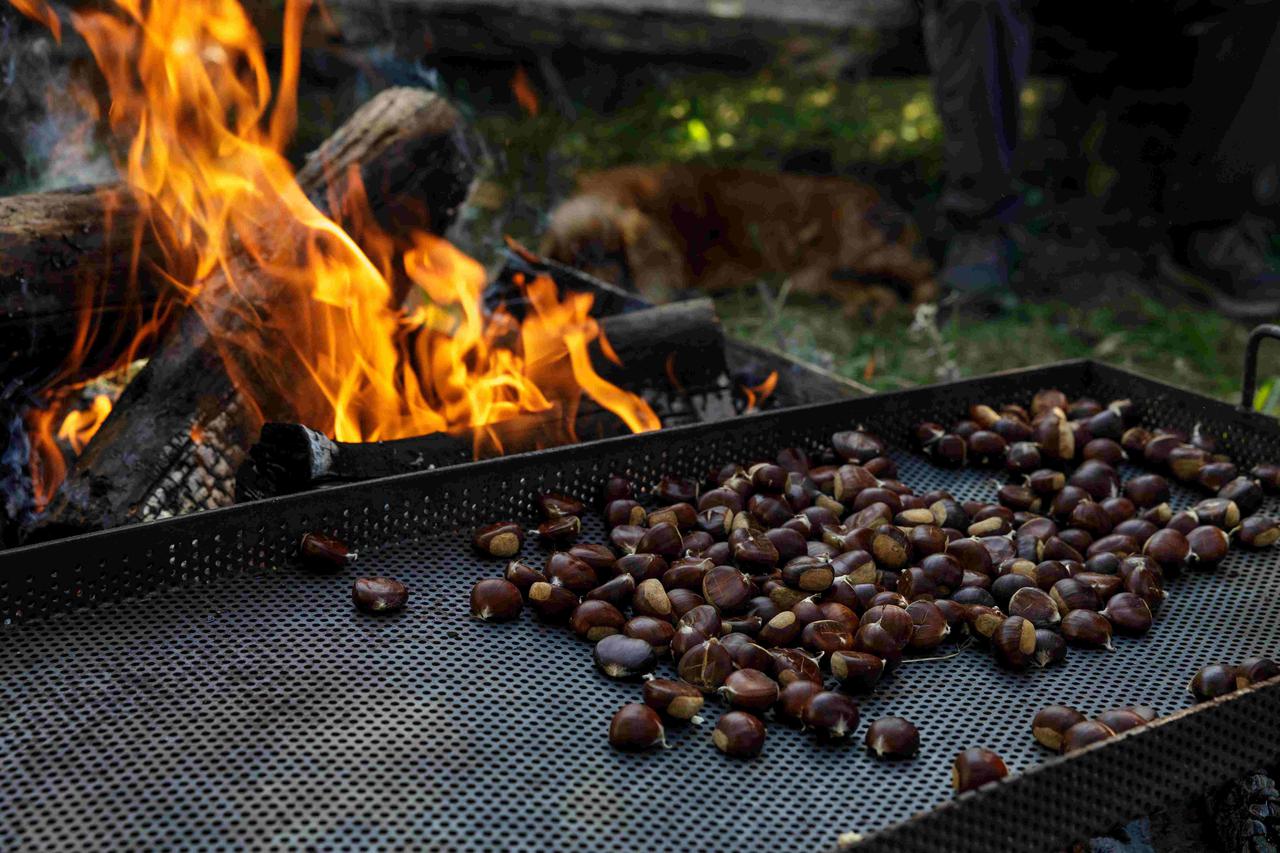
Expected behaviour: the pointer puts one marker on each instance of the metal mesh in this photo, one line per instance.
(250, 705)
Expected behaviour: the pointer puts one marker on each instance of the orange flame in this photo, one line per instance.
(317, 333)
(37, 10)
(80, 425)
(522, 88)
(757, 394)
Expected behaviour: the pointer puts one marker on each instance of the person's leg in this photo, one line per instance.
(978, 53)
(1222, 191)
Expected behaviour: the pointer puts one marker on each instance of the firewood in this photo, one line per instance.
(182, 424)
(72, 278)
(290, 457)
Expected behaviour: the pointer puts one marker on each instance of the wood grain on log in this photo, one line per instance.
(79, 270)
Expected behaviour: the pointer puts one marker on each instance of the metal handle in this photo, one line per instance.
(1247, 387)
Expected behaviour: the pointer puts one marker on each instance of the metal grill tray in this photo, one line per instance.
(216, 696)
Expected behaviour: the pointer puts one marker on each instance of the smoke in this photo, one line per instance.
(48, 139)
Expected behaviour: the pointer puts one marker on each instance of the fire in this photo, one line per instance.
(757, 394)
(522, 88)
(317, 334)
(79, 426)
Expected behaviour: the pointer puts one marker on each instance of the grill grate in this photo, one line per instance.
(246, 704)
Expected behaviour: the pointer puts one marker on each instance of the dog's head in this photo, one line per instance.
(590, 233)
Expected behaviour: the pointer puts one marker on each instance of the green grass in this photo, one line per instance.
(1191, 349)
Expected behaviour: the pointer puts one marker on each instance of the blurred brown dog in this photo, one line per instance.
(663, 229)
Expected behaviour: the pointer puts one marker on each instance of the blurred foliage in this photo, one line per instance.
(729, 121)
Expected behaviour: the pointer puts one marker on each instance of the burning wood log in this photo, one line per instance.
(684, 337)
(78, 277)
(181, 427)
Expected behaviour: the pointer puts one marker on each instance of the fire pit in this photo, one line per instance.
(219, 659)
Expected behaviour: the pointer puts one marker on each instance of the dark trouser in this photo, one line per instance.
(978, 52)
(1228, 154)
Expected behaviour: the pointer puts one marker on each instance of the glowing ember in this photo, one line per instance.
(318, 332)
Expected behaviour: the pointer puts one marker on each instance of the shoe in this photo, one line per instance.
(975, 274)
(1229, 268)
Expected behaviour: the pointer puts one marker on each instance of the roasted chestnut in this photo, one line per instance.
(594, 620)
(1258, 531)
(1071, 594)
(831, 715)
(626, 511)
(984, 621)
(622, 657)
(1051, 723)
(673, 698)
(1083, 734)
(1214, 680)
(739, 734)
(635, 728)
(931, 626)
(523, 576)
(656, 632)
(496, 600)
(571, 573)
(651, 599)
(809, 574)
(706, 665)
(1050, 648)
(727, 589)
(379, 595)
(794, 697)
(664, 540)
(1014, 643)
(750, 690)
(1120, 720)
(1268, 476)
(551, 602)
(1254, 670)
(792, 664)
(893, 737)
(673, 489)
(857, 446)
(974, 768)
(1207, 546)
(1128, 614)
(618, 487)
(1168, 548)
(554, 505)
(826, 636)
(1033, 604)
(857, 671)
(618, 591)
(500, 539)
(322, 552)
(1087, 628)
(682, 515)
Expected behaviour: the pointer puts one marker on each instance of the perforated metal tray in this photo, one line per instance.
(183, 683)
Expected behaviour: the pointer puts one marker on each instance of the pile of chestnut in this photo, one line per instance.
(774, 575)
